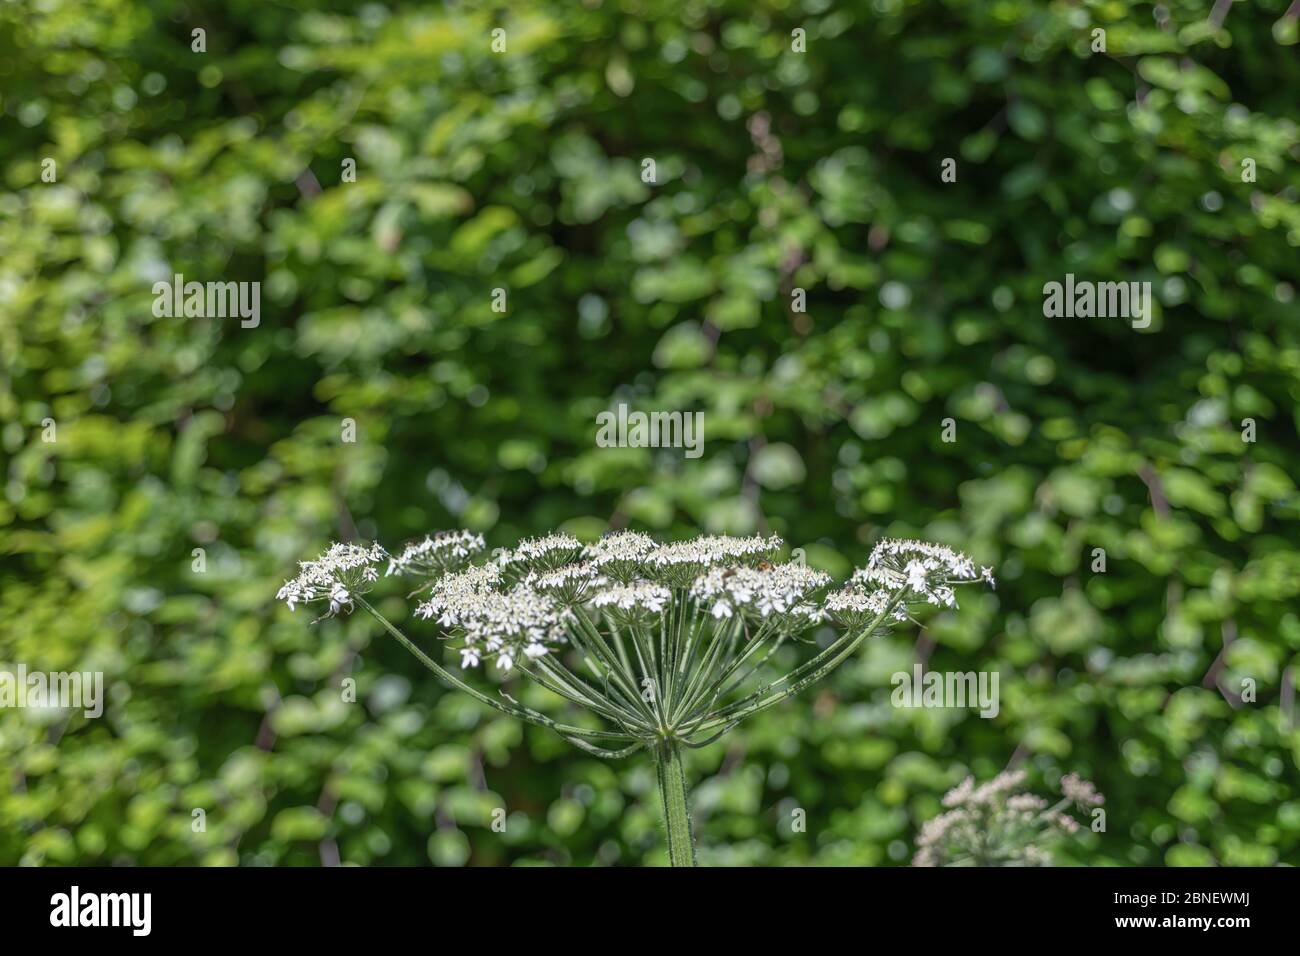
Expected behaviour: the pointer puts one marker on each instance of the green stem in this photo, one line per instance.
(677, 814)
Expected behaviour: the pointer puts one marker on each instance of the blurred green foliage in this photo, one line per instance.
(776, 170)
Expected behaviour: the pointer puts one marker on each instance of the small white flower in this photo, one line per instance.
(917, 576)
(339, 598)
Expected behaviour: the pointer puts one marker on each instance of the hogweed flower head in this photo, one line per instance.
(688, 618)
(666, 645)
(997, 824)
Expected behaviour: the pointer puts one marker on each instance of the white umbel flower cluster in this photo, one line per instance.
(926, 571)
(998, 824)
(336, 576)
(436, 554)
(764, 592)
(638, 602)
(899, 573)
(568, 583)
(621, 555)
(853, 606)
(455, 595)
(679, 563)
(504, 625)
(542, 554)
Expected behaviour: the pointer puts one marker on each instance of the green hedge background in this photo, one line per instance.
(776, 170)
